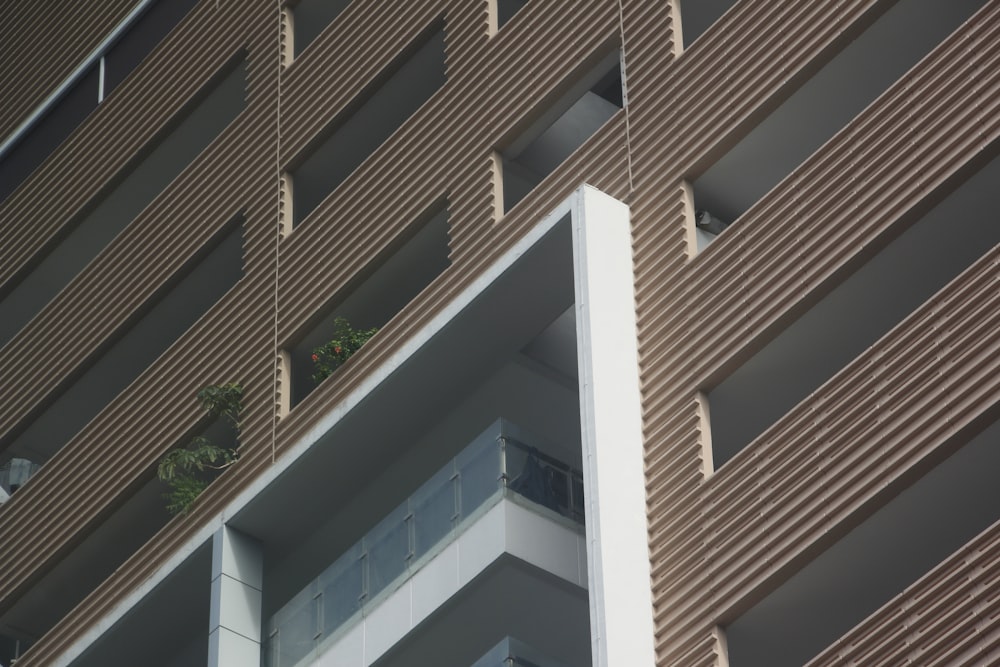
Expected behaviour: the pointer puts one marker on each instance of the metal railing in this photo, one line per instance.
(494, 464)
(510, 652)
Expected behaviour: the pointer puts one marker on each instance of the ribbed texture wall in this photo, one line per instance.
(948, 618)
(718, 543)
(721, 543)
(44, 42)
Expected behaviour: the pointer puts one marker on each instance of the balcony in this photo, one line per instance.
(110, 213)
(491, 562)
(932, 516)
(184, 298)
(497, 465)
(513, 653)
(310, 18)
(368, 121)
(819, 108)
(138, 35)
(854, 315)
(505, 10)
(379, 289)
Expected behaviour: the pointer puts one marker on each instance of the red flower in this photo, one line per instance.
(315, 358)
(336, 350)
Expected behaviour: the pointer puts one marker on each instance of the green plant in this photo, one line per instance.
(223, 400)
(187, 470)
(346, 341)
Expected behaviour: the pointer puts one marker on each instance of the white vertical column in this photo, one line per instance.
(621, 608)
(235, 622)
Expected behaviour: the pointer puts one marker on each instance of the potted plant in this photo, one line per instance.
(345, 342)
(187, 471)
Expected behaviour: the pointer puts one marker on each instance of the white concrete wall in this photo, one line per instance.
(610, 413)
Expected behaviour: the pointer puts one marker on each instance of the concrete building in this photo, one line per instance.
(687, 325)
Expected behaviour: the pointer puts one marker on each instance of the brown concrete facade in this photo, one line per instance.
(719, 540)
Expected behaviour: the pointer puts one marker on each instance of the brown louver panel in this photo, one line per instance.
(103, 144)
(947, 618)
(755, 538)
(33, 66)
(916, 139)
(719, 541)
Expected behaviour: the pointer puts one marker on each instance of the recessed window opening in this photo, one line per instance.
(310, 18)
(139, 183)
(874, 562)
(821, 107)
(698, 15)
(560, 129)
(369, 121)
(103, 75)
(390, 281)
(506, 10)
(189, 294)
(852, 317)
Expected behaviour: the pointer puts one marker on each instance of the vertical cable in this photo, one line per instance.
(275, 407)
(628, 126)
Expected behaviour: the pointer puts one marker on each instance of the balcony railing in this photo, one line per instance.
(494, 465)
(513, 653)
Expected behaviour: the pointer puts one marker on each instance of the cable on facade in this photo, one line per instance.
(628, 127)
(277, 234)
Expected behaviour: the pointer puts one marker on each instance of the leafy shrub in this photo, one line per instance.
(346, 341)
(187, 471)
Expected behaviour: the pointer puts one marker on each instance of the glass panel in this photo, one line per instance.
(479, 472)
(342, 586)
(418, 525)
(296, 633)
(535, 482)
(433, 507)
(388, 545)
(515, 456)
